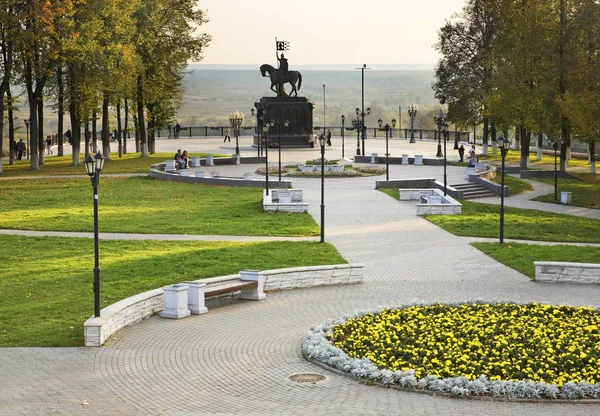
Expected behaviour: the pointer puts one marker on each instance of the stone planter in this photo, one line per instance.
(306, 168)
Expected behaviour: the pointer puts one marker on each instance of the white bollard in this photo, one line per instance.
(418, 159)
(373, 157)
(405, 159)
(210, 161)
(195, 162)
(175, 302)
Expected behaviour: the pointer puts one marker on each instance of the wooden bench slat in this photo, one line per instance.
(229, 287)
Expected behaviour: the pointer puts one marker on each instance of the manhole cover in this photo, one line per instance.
(307, 378)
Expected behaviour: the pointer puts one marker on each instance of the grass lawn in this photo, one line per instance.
(144, 205)
(61, 165)
(521, 256)
(482, 220)
(515, 185)
(585, 192)
(46, 283)
(515, 156)
(393, 192)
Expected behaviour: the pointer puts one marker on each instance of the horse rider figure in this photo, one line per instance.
(283, 71)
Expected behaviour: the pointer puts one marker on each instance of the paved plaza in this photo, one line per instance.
(236, 359)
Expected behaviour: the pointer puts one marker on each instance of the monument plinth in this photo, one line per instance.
(298, 111)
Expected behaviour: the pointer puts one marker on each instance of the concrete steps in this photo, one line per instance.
(473, 190)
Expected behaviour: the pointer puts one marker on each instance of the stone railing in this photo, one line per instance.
(560, 272)
(135, 308)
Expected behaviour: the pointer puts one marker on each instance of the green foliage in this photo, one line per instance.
(143, 205)
(482, 220)
(521, 256)
(46, 283)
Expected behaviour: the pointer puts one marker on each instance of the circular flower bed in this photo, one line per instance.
(502, 349)
(348, 172)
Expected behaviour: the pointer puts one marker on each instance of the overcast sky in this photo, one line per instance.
(325, 31)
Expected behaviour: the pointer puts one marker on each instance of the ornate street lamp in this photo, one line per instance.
(266, 147)
(556, 145)
(412, 113)
(439, 119)
(362, 113)
(505, 145)
(93, 167)
(236, 119)
(343, 146)
(26, 121)
(357, 124)
(322, 141)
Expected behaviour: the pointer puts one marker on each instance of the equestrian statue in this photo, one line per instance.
(281, 76)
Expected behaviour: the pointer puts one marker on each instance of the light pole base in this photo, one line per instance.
(358, 152)
(439, 151)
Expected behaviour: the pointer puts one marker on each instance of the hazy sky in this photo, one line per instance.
(325, 31)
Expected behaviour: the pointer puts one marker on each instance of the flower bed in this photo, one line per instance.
(349, 171)
(499, 349)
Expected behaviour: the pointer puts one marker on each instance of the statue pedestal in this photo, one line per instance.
(297, 110)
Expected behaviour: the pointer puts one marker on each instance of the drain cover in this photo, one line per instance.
(307, 378)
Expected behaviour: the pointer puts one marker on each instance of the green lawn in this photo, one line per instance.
(585, 192)
(61, 165)
(144, 205)
(482, 220)
(515, 156)
(46, 283)
(521, 256)
(515, 185)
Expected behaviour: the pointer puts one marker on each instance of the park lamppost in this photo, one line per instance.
(555, 145)
(93, 167)
(26, 121)
(357, 124)
(286, 123)
(363, 132)
(236, 119)
(343, 119)
(266, 146)
(439, 119)
(258, 132)
(322, 141)
(505, 145)
(412, 113)
(387, 153)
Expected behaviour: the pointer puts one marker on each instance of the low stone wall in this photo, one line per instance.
(296, 194)
(526, 174)
(450, 207)
(270, 205)
(395, 160)
(560, 272)
(135, 308)
(491, 186)
(419, 183)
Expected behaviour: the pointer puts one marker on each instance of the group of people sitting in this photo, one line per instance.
(181, 159)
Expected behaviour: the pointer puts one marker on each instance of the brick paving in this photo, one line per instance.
(235, 360)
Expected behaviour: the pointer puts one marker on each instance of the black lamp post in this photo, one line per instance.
(439, 119)
(505, 145)
(322, 141)
(286, 123)
(93, 167)
(26, 121)
(555, 145)
(343, 146)
(445, 132)
(356, 123)
(412, 113)
(236, 119)
(387, 153)
(362, 112)
(266, 145)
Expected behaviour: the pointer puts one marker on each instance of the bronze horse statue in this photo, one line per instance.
(278, 79)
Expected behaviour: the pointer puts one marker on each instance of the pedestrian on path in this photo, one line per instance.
(227, 136)
(329, 138)
(20, 149)
(461, 153)
(177, 130)
(49, 145)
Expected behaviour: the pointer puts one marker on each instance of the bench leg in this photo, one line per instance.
(256, 293)
(196, 298)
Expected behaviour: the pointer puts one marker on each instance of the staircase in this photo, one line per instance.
(473, 190)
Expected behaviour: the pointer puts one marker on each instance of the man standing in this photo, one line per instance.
(328, 137)
(20, 149)
(177, 130)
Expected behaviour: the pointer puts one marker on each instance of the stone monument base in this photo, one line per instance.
(298, 111)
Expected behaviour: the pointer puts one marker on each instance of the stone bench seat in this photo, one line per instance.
(233, 286)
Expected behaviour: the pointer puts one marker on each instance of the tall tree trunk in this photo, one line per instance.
(141, 118)
(562, 83)
(540, 144)
(137, 133)
(75, 131)
(105, 127)
(87, 138)
(2, 128)
(517, 138)
(486, 132)
(94, 132)
(592, 150)
(61, 109)
(494, 138)
(150, 131)
(41, 138)
(125, 128)
(11, 128)
(119, 131)
(524, 147)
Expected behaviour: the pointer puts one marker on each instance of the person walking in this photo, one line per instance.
(177, 130)
(49, 145)
(227, 136)
(461, 153)
(20, 149)
(68, 135)
(329, 138)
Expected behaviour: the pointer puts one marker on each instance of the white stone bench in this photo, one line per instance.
(214, 174)
(564, 272)
(195, 162)
(170, 165)
(185, 172)
(418, 160)
(284, 196)
(209, 161)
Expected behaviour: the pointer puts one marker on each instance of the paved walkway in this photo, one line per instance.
(235, 360)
